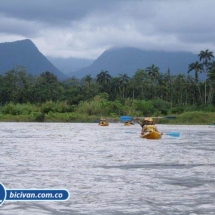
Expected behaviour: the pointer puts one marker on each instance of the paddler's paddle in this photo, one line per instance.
(157, 117)
(125, 118)
(128, 118)
(173, 134)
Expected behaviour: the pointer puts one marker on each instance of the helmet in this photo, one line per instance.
(148, 119)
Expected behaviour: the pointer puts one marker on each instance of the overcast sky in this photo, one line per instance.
(86, 28)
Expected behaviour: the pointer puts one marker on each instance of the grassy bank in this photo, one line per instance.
(191, 118)
(186, 118)
(91, 111)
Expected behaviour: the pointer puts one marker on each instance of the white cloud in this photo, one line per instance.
(71, 28)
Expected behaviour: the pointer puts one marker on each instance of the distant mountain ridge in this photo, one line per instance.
(25, 53)
(128, 60)
(70, 65)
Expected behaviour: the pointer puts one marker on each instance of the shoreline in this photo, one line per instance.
(186, 118)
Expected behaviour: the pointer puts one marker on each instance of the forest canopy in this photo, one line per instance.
(147, 92)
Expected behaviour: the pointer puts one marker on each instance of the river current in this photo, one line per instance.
(109, 170)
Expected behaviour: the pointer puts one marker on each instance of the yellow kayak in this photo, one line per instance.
(152, 135)
(128, 123)
(104, 123)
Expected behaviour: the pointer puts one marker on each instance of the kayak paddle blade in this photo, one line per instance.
(125, 118)
(174, 134)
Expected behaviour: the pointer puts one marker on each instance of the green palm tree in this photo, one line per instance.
(211, 66)
(140, 82)
(153, 71)
(180, 88)
(123, 81)
(169, 88)
(162, 89)
(114, 88)
(211, 79)
(103, 77)
(198, 68)
(88, 80)
(205, 56)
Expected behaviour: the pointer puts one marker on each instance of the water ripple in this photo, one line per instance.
(109, 170)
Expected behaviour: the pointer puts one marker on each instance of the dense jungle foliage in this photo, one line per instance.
(24, 97)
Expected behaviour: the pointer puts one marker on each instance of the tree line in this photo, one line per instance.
(146, 84)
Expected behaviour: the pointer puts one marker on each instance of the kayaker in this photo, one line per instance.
(131, 122)
(101, 121)
(141, 123)
(149, 126)
(145, 120)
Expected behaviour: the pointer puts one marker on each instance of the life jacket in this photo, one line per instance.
(149, 128)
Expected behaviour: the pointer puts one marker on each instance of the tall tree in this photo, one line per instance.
(153, 71)
(205, 56)
(123, 81)
(211, 80)
(47, 87)
(103, 77)
(9, 87)
(169, 86)
(180, 89)
(198, 68)
(88, 80)
(140, 83)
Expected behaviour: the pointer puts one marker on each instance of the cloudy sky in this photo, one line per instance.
(86, 28)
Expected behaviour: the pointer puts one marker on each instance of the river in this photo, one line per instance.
(109, 170)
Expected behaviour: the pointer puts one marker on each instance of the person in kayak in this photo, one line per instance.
(131, 122)
(149, 126)
(102, 121)
(145, 121)
(141, 123)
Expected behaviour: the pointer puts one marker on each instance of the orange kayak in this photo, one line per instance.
(104, 123)
(152, 135)
(128, 123)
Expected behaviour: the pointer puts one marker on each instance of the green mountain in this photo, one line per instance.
(129, 60)
(25, 53)
(115, 61)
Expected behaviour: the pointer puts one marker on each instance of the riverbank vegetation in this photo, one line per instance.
(91, 112)
(24, 97)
